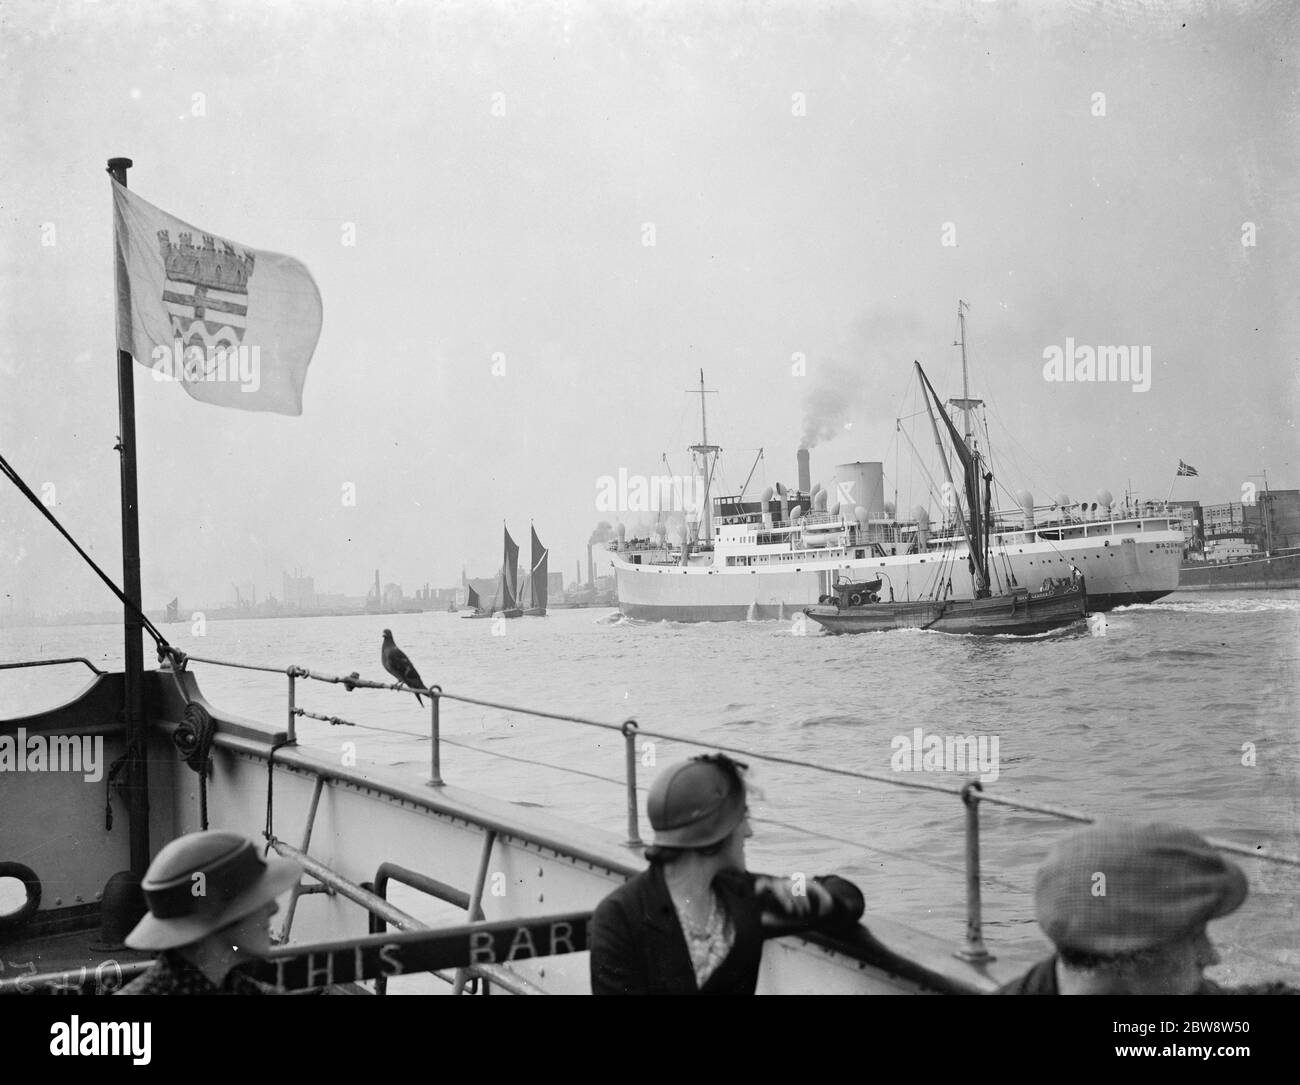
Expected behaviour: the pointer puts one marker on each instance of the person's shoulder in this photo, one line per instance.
(624, 898)
(1039, 980)
(152, 981)
(1268, 987)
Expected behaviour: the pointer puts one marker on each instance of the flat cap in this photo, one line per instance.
(1119, 886)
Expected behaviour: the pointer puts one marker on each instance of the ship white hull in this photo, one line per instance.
(1123, 572)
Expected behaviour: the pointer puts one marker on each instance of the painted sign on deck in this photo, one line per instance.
(325, 963)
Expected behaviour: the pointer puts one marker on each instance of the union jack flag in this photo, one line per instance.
(1184, 469)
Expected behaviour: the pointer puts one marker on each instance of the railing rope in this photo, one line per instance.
(51, 663)
(333, 721)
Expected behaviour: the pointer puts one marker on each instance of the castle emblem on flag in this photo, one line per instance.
(235, 326)
(206, 290)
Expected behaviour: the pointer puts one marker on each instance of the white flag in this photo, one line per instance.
(236, 326)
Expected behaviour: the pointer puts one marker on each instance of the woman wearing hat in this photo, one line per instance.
(211, 898)
(695, 921)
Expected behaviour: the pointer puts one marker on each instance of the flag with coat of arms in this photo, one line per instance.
(235, 326)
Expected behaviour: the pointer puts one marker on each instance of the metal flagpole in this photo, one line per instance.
(137, 781)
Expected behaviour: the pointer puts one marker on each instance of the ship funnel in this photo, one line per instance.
(860, 483)
(805, 476)
(1026, 501)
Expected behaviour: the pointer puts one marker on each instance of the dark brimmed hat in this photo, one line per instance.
(203, 882)
(1118, 887)
(695, 803)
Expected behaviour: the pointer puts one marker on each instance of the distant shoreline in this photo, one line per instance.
(28, 622)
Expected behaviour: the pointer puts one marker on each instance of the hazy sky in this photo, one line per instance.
(802, 165)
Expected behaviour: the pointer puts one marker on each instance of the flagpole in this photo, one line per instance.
(137, 782)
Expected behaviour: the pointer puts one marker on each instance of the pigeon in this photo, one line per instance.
(396, 664)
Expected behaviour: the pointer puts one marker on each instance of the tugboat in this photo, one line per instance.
(856, 606)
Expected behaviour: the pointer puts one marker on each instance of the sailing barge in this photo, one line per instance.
(857, 609)
(507, 600)
(856, 606)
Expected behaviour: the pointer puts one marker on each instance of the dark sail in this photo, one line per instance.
(537, 577)
(970, 463)
(472, 600)
(510, 574)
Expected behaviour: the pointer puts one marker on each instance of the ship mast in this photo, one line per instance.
(976, 533)
(708, 456)
(965, 404)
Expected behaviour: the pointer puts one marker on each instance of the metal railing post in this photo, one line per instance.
(474, 911)
(974, 951)
(293, 727)
(633, 832)
(435, 721)
(306, 843)
(434, 736)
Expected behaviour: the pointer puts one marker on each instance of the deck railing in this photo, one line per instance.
(971, 794)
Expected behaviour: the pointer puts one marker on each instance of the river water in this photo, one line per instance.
(1183, 710)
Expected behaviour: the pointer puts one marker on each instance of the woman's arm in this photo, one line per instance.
(793, 903)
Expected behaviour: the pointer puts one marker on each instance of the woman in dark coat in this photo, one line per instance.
(695, 921)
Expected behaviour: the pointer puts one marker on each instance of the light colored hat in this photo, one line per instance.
(1117, 887)
(202, 882)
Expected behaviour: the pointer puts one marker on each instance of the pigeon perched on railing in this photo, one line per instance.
(396, 664)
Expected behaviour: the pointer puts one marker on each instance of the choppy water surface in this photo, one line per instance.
(1151, 720)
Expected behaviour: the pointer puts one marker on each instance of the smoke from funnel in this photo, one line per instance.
(600, 534)
(841, 392)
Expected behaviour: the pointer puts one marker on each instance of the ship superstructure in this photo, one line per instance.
(762, 566)
(769, 556)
